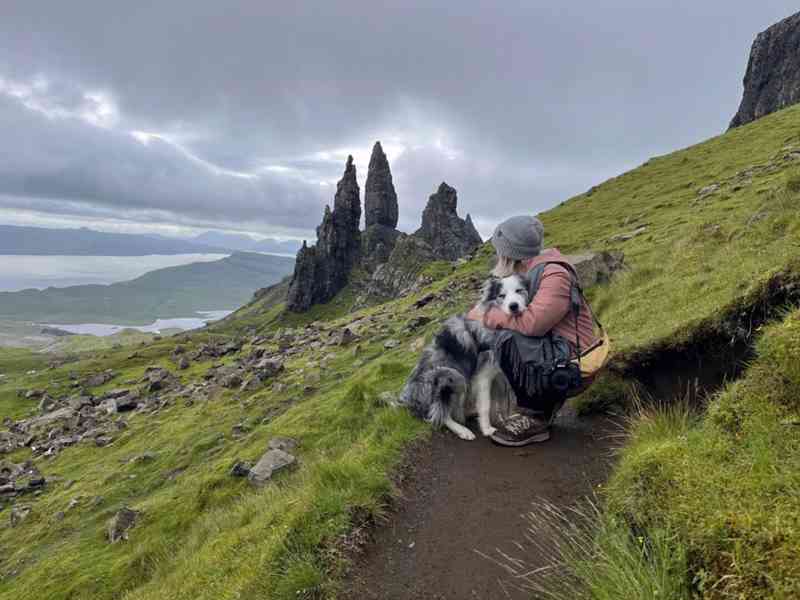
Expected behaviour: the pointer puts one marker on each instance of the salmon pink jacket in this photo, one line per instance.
(550, 309)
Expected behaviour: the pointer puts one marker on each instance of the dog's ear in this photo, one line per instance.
(491, 289)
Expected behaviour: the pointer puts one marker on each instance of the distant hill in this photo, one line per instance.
(164, 293)
(246, 243)
(86, 242)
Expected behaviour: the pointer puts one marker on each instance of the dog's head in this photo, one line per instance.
(509, 293)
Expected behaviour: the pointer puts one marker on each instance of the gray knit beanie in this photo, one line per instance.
(518, 237)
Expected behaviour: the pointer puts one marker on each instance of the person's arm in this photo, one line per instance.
(549, 306)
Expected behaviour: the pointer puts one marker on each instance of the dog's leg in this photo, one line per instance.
(483, 398)
(458, 429)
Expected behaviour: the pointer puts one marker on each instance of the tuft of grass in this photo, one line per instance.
(590, 556)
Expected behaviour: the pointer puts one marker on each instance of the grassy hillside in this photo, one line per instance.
(721, 483)
(172, 292)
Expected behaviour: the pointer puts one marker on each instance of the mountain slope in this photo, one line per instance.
(710, 235)
(172, 292)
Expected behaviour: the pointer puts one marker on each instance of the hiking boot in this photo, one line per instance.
(522, 428)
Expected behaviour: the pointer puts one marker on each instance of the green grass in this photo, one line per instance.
(728, 483)
(719, 488)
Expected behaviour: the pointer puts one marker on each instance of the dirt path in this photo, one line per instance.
(459, 497)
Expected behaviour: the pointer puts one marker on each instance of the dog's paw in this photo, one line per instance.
(466, 435)
(489, 431)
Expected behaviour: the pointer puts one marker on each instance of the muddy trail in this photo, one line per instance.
(459, 499)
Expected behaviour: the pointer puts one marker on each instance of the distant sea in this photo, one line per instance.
(25, 272)
(156, 327)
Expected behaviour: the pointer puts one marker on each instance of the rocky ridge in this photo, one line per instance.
(442, 236)
(772, 79)
(390, 260)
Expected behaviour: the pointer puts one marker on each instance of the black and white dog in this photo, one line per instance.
(453, 379)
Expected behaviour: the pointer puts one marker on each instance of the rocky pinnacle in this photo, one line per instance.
(321, 271)
(380, 199)
(449, 236)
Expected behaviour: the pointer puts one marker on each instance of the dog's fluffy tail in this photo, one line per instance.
(434, 396)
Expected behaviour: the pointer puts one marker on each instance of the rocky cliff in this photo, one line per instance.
(772, 79)
(450, 236)
(323, 270)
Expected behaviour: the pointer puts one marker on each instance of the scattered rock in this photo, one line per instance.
(183, 363)
(100, 378)
(144, 457)
(425, 300)
(270, 463)
(624, 237)
(119, 525)
(391, 343)
(417, 322)
(240, 469)
(126, 403)
(708, 190)
(268, 367)
(19, 513)
(282, 443)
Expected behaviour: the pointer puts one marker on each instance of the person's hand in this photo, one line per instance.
(476, 314)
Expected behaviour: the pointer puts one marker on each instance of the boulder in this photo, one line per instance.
(100, 378)
(268, 367)
(270, 463)
(597, 267)
(19, 513)
(120, 524)
(126, 403)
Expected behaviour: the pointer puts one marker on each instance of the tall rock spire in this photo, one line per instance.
(320, 272)
(380, 207)
(380, 199)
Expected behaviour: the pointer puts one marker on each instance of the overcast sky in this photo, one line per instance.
(167, 116)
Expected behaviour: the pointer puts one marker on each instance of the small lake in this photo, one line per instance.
(19, 272)
(157, 326)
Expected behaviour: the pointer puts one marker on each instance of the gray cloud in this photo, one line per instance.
(240, 115)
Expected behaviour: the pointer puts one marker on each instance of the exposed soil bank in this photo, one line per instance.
(461, 497)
